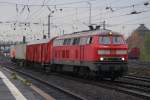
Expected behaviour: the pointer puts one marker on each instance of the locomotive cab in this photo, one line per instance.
(112, 55)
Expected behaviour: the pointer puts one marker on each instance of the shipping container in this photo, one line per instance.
(20, 50)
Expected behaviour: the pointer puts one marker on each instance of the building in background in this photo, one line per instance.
(139, 39)
(137, 36)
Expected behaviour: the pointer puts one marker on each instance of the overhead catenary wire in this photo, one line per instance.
(77, 2)
(121, 15)
(115, 10)
(38, 10)
(119, 9)
(68, 3)
(128, 22)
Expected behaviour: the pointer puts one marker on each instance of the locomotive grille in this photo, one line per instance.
(112, 59)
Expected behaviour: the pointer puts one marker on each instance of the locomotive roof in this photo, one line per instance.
(39, 41)
(87, 33)
(75, 34)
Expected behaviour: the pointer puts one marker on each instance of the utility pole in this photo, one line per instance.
(104, 25)
(44, 36)
(49, 21)
(49, 25)
(90, 6)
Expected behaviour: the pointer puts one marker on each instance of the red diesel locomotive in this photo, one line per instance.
(94, 52)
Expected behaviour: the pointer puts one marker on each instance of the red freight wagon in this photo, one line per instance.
(39, 51)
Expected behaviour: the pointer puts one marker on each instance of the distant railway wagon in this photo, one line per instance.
(18, 52)
(134, 53)
(101, 53)
(12, 52)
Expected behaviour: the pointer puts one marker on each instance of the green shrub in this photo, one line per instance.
(145, 50)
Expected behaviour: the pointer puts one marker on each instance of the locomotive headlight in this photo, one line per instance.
(103, 52)
(101, 58)
(122, 59)
(121, 51)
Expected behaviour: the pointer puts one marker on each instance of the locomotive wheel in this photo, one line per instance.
(84, 72)
(81, 72)
(99, 75)
(113, 77)
(87, 72)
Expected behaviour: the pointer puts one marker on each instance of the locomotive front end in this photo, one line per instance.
(112, 55)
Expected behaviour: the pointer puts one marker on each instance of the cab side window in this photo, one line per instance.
(89, 40)
(58, 42)
(76, 41)
(67, 42)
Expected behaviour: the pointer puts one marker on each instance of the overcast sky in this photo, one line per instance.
(69, 15)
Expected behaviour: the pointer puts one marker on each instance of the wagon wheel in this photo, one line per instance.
(47, 69)
(76, 70)
(53, 68)
(59, 68)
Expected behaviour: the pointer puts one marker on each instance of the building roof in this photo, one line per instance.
(142, 28)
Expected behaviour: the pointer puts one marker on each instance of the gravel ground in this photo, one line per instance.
(53, 92)
(90, 92)
(139, 69)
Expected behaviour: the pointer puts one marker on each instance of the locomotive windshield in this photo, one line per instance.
(104, 40)
(109, 40)
(117, 40)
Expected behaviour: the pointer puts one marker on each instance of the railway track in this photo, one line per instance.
(73, 95)
(137, 62)
(144, 79)
(130, 88)
(122, 86)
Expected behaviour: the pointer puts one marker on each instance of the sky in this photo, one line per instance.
(29, 18)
